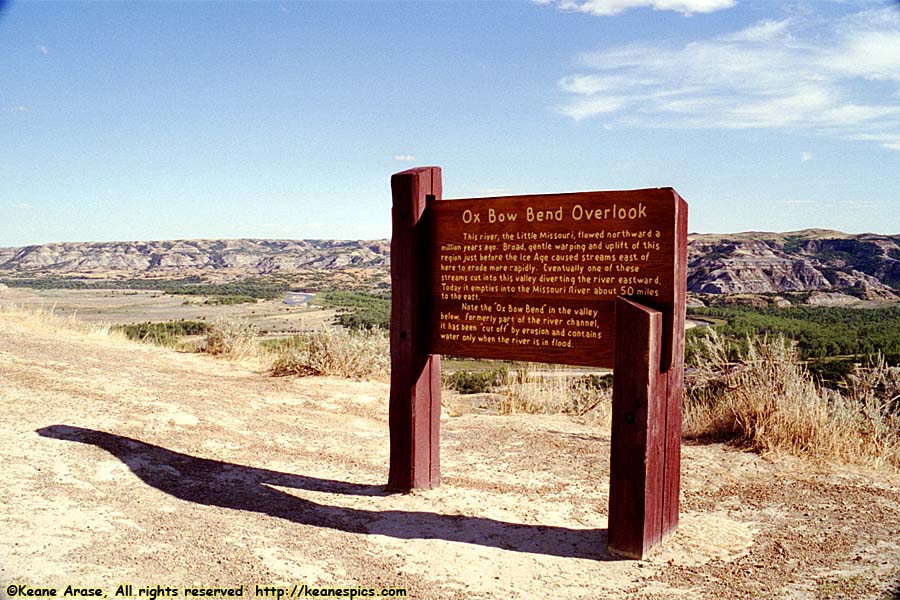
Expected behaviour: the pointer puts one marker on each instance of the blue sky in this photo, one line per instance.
(132, 121)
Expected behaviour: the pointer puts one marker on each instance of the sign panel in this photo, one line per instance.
(535, 277)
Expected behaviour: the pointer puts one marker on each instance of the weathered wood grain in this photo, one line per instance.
(637, 447)
(415, 402)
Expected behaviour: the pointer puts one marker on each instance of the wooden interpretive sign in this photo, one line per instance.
(535, 278)
(592, 278)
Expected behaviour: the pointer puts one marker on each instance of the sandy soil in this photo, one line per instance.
(124, 463)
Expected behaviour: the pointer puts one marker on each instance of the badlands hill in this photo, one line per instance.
(204, 258)
(866, 265)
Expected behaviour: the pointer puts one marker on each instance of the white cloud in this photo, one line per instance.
(405, 158)
(792, 202)
(764, 31)
(20, 109)
(868, 54)
(806, 156)
(42, 49)
(835, 77)
(22, 206)
(609, 8)
(592, 107)
(592, 84)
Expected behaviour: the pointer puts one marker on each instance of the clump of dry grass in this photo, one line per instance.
(555, 391)
(231, 337)
(48, 320)
(767, 401)
(354, 354)
(875, 390)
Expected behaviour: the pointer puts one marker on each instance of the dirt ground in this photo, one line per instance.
(129, 464)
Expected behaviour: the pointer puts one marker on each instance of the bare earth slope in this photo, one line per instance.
(124, 463)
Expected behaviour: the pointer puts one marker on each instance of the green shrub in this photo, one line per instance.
(475, 382)
(358, 310)
(820, 332)
(237, 299)
(165, 333)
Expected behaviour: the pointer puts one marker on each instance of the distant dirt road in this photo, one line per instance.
(124, 463)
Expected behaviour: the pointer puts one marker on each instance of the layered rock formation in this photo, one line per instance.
(192, 257)
(812, 260)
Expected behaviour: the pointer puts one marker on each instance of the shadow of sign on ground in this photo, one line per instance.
(241, 487)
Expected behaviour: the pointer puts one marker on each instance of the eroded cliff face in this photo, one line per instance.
(192, 257)
(803, 261)
(867, 265)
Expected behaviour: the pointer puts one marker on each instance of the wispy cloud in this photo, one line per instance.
(609, 8)
(764, 31)
(42, 49)
(806, 156)
(405, 158)
(19, 109)
(839, 77)
(23, 206)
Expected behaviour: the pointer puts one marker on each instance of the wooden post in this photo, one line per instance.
(415, 400)
(674, 378)
(648, 377)
(637, 451)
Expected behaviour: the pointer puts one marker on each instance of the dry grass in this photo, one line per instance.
(46, 320)
(363, 354)
(232, 338)
(542, 392)
(767, 401)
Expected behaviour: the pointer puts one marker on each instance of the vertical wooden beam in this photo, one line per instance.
(645, 469)
(415, 400)
(674, 377)
(637, 454)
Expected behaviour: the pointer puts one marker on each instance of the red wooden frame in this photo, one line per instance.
(647, 390)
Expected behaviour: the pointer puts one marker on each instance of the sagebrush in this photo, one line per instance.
(232, 338)
(765, 399)
(553, 390)
(355, 354)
